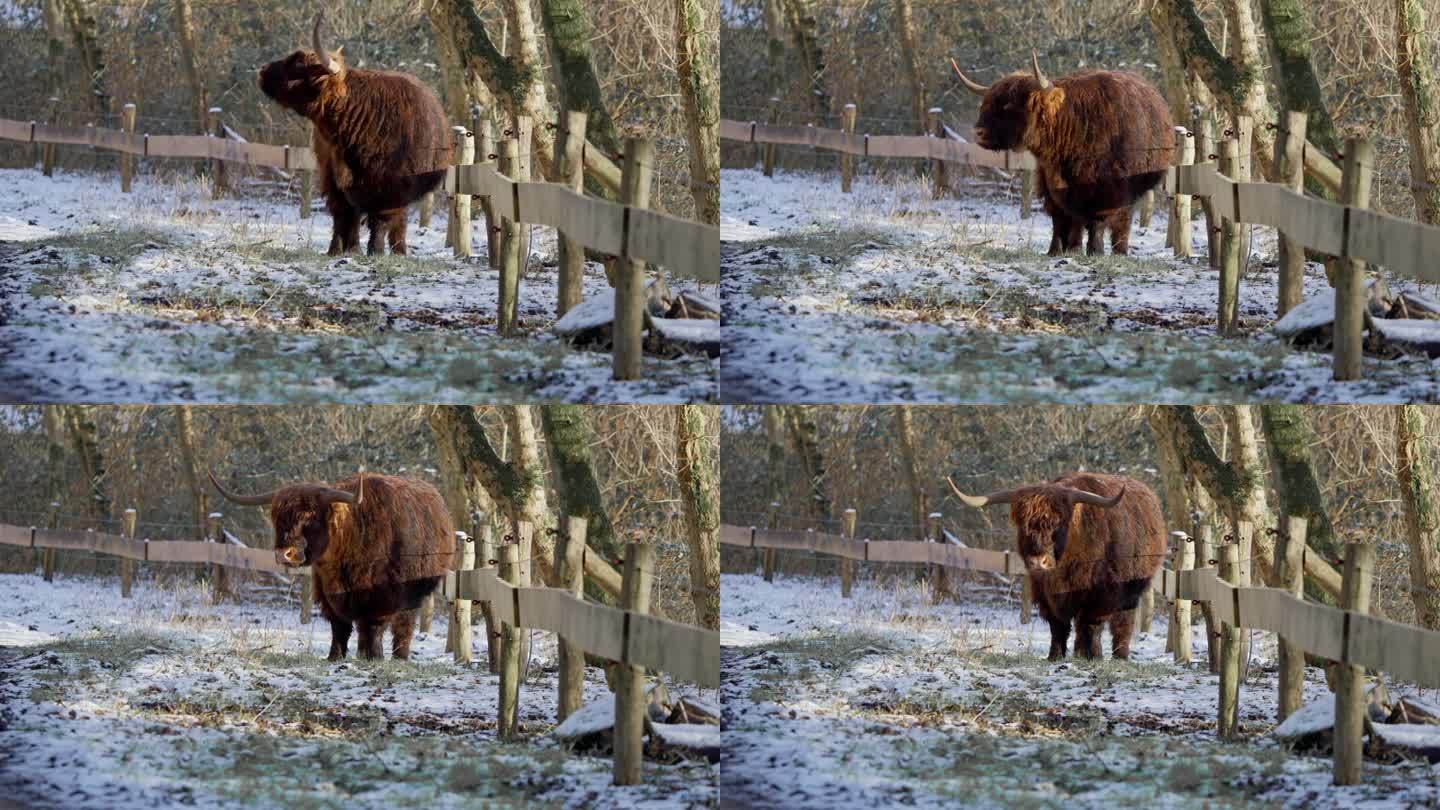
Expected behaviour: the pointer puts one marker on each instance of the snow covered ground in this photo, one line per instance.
(165, 294)
(887, 294)
(166, 699)
(887, 698)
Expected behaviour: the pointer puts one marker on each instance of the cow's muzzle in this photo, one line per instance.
(290, 556)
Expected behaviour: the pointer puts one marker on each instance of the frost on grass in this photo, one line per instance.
(166, 699)
(885, 698)
(166, 294)
(888, 294)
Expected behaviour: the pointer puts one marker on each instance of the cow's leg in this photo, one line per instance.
(345, 229)
(1122, 627)
(402, 629)
(339, 639)
(1087, 638)
(396, 231)
(1120, 232)
(1059, 638)
(1074, 235)
(371, 634)
(1095, 237)
(379, 226)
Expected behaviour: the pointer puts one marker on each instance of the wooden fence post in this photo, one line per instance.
(427, 206)
(307, 184)
(219, 575)
(847, 565)
(489, 152)
(1350, 297)
(47, 556)
(1206, 557)
(630, 278)
(307, 595)
(510, 260)
(1206, 151)
(1180, 207)
(1244, 161)
(218, 180)
(570, 166)
(1290, 555)
(1147, 208)
(771, 116)
(127, 162)
(127, 565)
(427, 612)
(1180, 613)
(525, 138)
(507, 724)
(1229, 311)
(936, 128)
(460, 208)
(1027, 595)
(1228, 724)
(847, 161)
(1350, 679)
(462, 606)
(570, 570)
(767, 555)
(630, 680)
(939, 575)
(47, 152)
(1027, 191)
(488, 558)
(1145, 611)
(1289, 160)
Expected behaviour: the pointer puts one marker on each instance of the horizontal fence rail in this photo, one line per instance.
(1404, 651)
(166, 551)
(206, 147)
(687, 652)
(889, 146)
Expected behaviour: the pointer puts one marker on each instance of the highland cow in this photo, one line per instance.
(376, 546)
(380, 140)
(1091, 544)
(1101, 140)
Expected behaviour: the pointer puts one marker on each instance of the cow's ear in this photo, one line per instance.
(1046, 103)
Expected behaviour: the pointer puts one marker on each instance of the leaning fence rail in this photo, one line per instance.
(1351, 638)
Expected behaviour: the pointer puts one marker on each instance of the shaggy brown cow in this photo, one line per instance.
(380, 140)
(1091, 544)
(376, 546)
(1101, 140)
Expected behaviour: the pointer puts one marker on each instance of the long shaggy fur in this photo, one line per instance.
(380, 141)
(1102, 557)
(372, 563)
(1101, 139)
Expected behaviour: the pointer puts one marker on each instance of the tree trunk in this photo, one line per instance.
(1172, 478)
(775, 451)
(1422, 108)
(700, 89)
(905, 434)
(699, 494)
(1288, 437)
(453, 76)
(804, 28)
(55, 48)
(775, 45)
(1289, 32)
(87, 448)
(1422, 513)
(464, 494)
(804, 437)
(190, 468)
(54, 417)
(185, 35)
(1174, 80)
(568, 436)
(81, 20)
(568, 30)
(905, 32)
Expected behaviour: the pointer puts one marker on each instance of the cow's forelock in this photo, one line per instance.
(1004, 112)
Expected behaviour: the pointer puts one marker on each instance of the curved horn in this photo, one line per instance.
(1039, 74)
(1003, 496)
(244, 500)
(974, 87)
(1081, 496)
(325, 60)
(334, 495)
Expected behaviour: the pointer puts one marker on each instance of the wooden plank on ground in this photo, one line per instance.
(734, 130)
(1403, 651)
(685, 248)
(15, 535)
(180, 551)
(14, 130)
(1401, 246)
(685, 652)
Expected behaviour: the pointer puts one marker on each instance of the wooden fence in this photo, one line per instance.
(1346, 230)
(628, 230)
(629, 636)
(1350, 637)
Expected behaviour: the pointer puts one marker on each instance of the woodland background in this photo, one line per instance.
(1359, 67)
(639, 67)
(1361, 473)
(636, 472)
